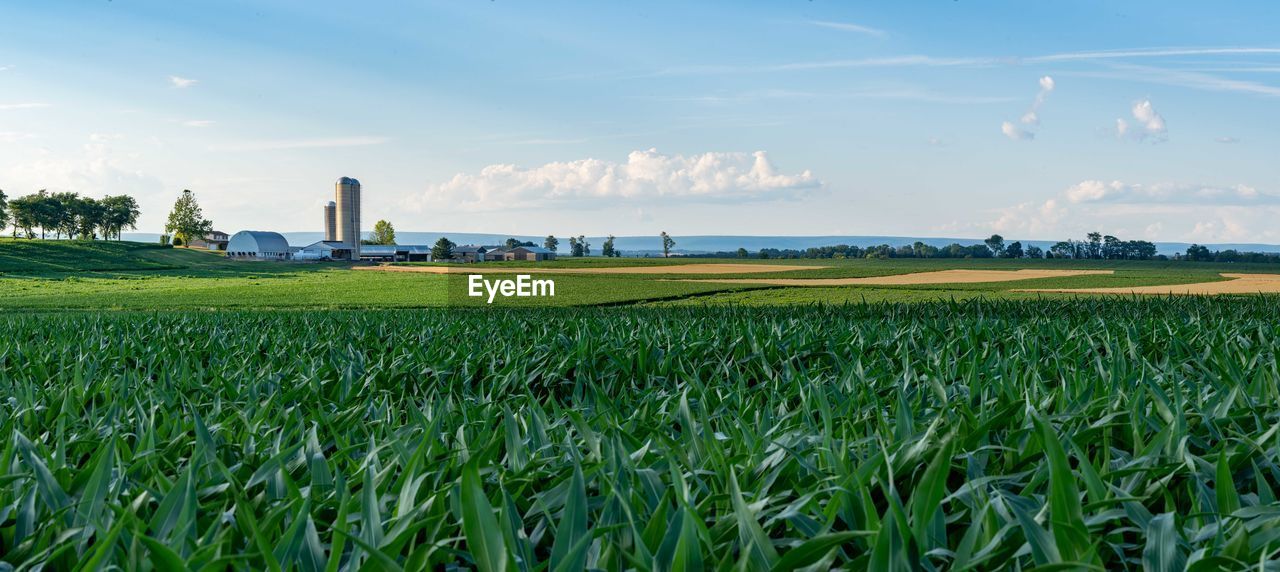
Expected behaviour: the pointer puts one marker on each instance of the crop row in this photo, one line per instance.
(1087, 433)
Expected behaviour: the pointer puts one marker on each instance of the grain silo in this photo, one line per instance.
(331, 222)
(347, 193)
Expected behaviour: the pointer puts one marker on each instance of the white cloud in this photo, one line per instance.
(198, 123)
(1032, 115)
(1016, 133)
(1152, 123)
(8, 106)
(645, 176)
(1151, 53)
(316, 143)
(848, 27)
(182, 82)
(1160, 211)
(1094, 191)
(1227, 140)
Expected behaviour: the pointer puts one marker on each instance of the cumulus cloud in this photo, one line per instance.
(1094, 191)
(1159, 211)
(1016, 133)
(1148, 124)
(182, 82)
(645, 176)
(1032, 116)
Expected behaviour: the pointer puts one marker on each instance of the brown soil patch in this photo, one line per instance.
(664, 269)
(939, 277)
(1239, 284)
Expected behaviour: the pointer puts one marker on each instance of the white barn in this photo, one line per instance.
(257, 244)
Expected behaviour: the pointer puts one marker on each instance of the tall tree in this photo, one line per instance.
(121, 213)
(23, 212)
(996, 244)
(383, 233)
(1014, 250)
(742, 252)
(443, 249)
(586, 246)
(607, 249)
(186, 220)
(551, 243)
(575, 247)
(667, 243)
(4, 211)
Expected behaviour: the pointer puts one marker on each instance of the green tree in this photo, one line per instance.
(22, 211)
(4, 212)
(186, 220)
(742, 253)
(996, 244)
(667, 243)
(586, 246)
(607, 249)
(443, 249)
(383, 233)
(121, 213)
(551, 243)
(575, 247)
(1014, 250)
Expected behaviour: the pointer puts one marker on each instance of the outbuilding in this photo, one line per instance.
(258, 245)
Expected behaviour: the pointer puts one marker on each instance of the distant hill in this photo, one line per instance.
(36, 256)
(642, 245)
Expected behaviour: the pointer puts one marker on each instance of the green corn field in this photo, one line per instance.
(1050, 434)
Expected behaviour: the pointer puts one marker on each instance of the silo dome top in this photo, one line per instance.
(348, 181)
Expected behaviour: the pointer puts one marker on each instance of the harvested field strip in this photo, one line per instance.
(1239, 284)
(939, 277)
(671, 269)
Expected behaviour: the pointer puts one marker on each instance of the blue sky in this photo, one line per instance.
(1037, 120)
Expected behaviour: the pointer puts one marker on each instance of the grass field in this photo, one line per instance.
(1070, 433)
(105, 275)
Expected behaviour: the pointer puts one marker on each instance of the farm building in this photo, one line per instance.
(216, 240)
(531, 253)
(469, 253)
(258, 245)
(324, 250)
(396, 252)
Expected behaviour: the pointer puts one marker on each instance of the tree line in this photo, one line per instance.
(68, 215)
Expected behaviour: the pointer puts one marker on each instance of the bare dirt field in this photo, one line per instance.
(669, 269)
(1239, 284)
(939, 277)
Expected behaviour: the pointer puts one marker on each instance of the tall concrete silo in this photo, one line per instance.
(331, 222)
(347, 193)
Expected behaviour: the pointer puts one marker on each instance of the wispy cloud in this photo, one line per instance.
(14, 136)
(1227, 140)
(850, 27)
(1150, 53)
(198, 123)
(5, 68)
(8, 106)
(1032, 116)
(181, 82)
(315, 143)
(883, 62)
(903, 94)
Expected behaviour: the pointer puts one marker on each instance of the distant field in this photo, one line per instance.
(90, 275)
